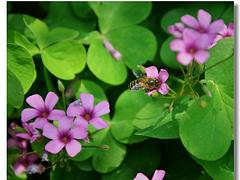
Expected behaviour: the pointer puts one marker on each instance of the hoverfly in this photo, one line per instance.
(143, 82)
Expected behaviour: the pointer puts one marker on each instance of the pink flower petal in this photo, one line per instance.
(163, 75)
(216, 26)
(152, 72)
(65, 124)
(19, 168)
(73, 148)
(204, 40)
(231, 29)
(54, 146)
(29, 113)
(87, 100)
(163, 89)
(184, 58)
(74, 108)
(140, 176)
(158, 175)
(40, 122)
(36, 101)
(51, 100)
(79, 121)
(190, 36)
(204, 18)
(201, 56)
(50, 131)
(177, 45)
(23, 135)
(78, 132)
(101, 109)
(56, 114)
(99, 123)
(190, 21)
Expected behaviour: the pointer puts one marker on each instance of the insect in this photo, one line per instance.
(143, 82)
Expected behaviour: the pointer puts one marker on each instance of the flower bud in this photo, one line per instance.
(61, 87)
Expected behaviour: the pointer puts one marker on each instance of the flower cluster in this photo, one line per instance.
(72, 126)
(115, 54)
(158, 175)
(195, 36)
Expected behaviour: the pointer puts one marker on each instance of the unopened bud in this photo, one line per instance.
(155, 94)
(61, 87)
(203, 104)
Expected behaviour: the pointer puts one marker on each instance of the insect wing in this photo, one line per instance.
(138, 73)
(137, 86)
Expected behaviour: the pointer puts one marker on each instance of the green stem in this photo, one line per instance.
(183, 72)
(64, 100)
(177, 79)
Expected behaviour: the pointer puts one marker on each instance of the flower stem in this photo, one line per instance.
(177, 79)
(64, 100)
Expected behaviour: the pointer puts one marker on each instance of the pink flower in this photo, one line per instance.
(162, 77)
(227, 31)
(176, 30)
(21, 165)
(193, 46)
(85, 113)
(203, 23)
(32, 134)
(42, 111)
(158, 175)
(64, 136)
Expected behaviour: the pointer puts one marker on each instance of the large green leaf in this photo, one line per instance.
(15, 93)
(174, 15)
(113, 15)
(38, 28)
(127, 106)
(103, 66)
(19, 39)
(221, 169)
(82, 9)
(20, 62)
(43, 36)
(60, 14)
(155, 120)
(141, 158)
(150, 113)
(105, 161)
(223, 73)
(60, 34)
(136, 44)
(87, 86)
(168, 57)
(65, 59)
(205, 128)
